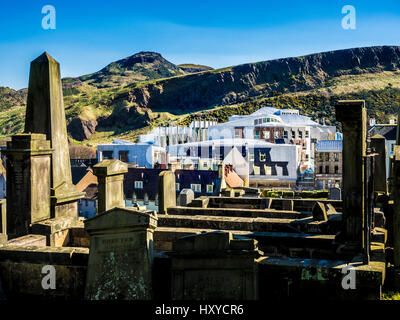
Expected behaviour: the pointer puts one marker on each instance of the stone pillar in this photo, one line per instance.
(166, 191)
(353, 116)
(121, 255)
(379, 144)
(3, 222)
(28, 182)
(396, 208)
(110, 176)
(45, 114)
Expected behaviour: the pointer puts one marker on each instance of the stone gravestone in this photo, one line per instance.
(45, 114)
(215, 266)
(110, 176)
(166, 191)
(28, 182)
(335, 194)
(353, 116)
(378, 143)
(121, 255)
(185, 197)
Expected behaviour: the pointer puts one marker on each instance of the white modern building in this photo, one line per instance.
(140, 154)
(277, 126)
(263, 163)
(173, 134)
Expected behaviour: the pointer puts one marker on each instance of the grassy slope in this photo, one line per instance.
(380, 90)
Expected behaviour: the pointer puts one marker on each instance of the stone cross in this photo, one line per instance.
(28, 182)
(353, 116)
(45, 114)
(110, 176)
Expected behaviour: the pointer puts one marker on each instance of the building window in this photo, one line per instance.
(336, 169)
(300, 134)
(285, 134)
(320, 169)
(210, 188)
(293, 134)
(336, 155)
(107, 155)
(123, 156)
(138, 184)
(256, 134)
(326, 169)
(177, 186)
(307, 134)
(326, 156)
(267, 134)
(276, 134)
(195, 187)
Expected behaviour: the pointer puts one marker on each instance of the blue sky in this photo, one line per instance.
(91, 34)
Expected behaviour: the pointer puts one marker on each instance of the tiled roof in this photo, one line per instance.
(86, 181)
(388, 131)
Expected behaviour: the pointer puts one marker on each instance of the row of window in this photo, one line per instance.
(324, 156)
(196, 187)
(327, 170)
(264, 120)
(267, 134)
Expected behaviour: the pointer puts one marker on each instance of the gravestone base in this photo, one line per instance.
(215, 266)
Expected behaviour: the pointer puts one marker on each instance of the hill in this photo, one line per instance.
(127, 97)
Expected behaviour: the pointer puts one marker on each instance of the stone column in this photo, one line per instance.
(166, 191)
(396, 208)
(353, 116)
(3, 222)
(110, 176)
(28, 182)
(379, 144)
(45, 114)
(121, 255)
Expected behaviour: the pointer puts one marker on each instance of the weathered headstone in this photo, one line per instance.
(121, 255)
(353, 116)
(45, 114)
(335, 194)
(166, 191)
(378, 142)
(28, 182)
(319, 212)
(215, 266)
(110, 176)
(185, 197)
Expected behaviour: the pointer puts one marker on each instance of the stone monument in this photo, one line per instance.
(110, 176)
(45, 114)
(166, 191)
(28, 182)
(353, 116)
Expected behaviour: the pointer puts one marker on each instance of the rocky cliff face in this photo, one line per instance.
(219, 87)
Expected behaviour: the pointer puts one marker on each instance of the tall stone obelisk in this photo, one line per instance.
(45, 114)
